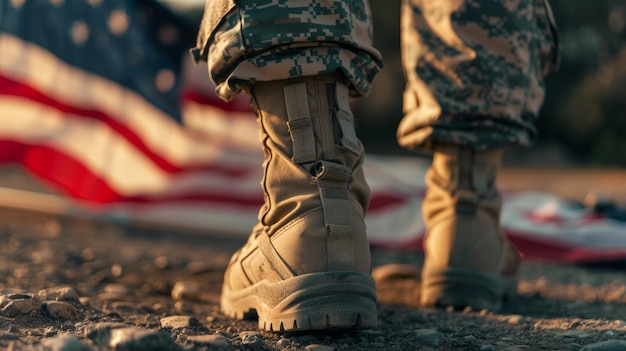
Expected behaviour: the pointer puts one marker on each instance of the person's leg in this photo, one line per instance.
(306, 265)
(475, 71)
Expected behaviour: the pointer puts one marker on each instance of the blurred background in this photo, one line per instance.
(583, 122)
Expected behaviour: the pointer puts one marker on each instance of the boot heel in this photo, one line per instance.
(316, 301)
(460, 288)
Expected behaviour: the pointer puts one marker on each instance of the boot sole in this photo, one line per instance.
(315, 301)
(462, 288)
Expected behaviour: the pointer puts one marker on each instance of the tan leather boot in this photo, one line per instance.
(468, 260)
(307, 263)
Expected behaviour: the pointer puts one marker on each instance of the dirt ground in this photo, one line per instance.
(126, 281)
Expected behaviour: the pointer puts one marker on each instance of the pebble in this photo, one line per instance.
(514, 319)
(395, 271)
(113, 292)
(319, 347)
(100, 333)
(179, 321)
(161, 262)
(252, 340)
(611, 345)
(139, 339)
(19, 304)
(114, 288)
(212, 342)
(488, 348)
(64, 293)
(283, 343)
(49, 332)
(61, 310)
(7, 336)
(429, 337)
(609, 333)
(64, 343)
(116, 270)
(189, 290)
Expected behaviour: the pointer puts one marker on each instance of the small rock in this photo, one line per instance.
(19, 304)
(514, 319)
(283, 343)
(161, 262)
(64, 343)
(212, 342)
(488, 348)
(7, 336)
(61, 310)
(49, 332)
(178, 322)
(429, 337)
(319, 347)
(611, 345)
(469, 338)
(395, 271)
(189, 290)
(138, 339)
(100, 333)
(609, 333)
(116, 270)
(119, 289)
(64, 293)
(252, 340)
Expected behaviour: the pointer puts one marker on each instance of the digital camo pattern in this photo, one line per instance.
(474, 68)
(279, 39)
(475, 71)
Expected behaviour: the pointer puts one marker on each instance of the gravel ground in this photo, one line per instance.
(71, 284)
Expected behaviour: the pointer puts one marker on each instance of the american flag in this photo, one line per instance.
(99, 101)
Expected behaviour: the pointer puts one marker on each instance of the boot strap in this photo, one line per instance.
(345, 119)
(332, 181)
(299, 123)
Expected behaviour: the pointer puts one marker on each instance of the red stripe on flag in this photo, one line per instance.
(74, 179)
(14, 88)
(191, 95)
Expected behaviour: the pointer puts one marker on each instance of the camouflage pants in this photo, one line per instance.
(474, 69)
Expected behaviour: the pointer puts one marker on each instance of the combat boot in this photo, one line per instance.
(307, 264)
(468, 261)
